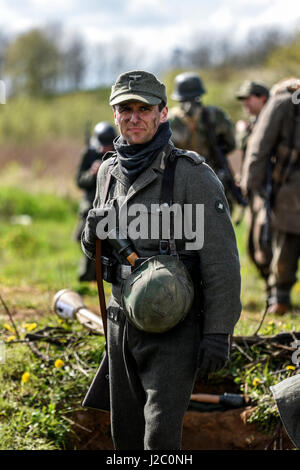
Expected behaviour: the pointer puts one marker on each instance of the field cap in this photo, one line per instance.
(251, 88)
(140, 86)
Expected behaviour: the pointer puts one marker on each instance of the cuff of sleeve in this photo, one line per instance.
(88, 249)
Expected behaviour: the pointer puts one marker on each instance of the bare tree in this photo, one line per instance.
(258, 45)
(3, 47)
(75, 62)
(201, 55)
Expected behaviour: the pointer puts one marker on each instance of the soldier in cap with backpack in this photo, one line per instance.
(275, 143)
(171, 313)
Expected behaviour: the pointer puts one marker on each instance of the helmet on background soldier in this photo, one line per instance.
(188, 86)
(104, 133)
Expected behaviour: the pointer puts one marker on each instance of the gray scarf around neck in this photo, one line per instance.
(134, 159)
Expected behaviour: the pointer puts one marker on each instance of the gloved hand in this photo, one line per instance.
(94, 216)
(214, 353)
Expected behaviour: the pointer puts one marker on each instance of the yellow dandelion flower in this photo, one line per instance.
(256, 382)
(25, 377)
(58, 363)
(11, 338)
(290, 368)
(8, 327)
(297, 287)
(30, 326)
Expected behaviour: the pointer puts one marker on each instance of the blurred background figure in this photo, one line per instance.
(206, 130)
(253, 96)
(275, 144)
(100, 143)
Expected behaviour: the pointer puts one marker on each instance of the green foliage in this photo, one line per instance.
(286, 58)
(25, 119)
(32, 62)
(14, 201)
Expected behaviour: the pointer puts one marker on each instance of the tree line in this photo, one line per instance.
(45, 60)
(39, 62)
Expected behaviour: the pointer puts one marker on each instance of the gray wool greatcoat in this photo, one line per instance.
(152, 375)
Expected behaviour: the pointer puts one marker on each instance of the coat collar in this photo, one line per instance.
(147, 176)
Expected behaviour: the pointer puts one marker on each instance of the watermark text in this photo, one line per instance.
(154, 222)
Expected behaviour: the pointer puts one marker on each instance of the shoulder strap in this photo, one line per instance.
(293, 153)
(166, 198)
(167, 186)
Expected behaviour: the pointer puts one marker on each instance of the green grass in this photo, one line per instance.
(35, 414)
(33, 120)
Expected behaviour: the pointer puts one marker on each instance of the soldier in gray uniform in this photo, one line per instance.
(152, 373)
(276, 139)
(253, 96)
(100, 143)
(200, 128)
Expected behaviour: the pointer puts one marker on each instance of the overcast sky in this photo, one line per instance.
(155, 26)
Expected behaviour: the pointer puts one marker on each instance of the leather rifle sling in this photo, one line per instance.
(98, 395)
(101, 294)
(99, 276)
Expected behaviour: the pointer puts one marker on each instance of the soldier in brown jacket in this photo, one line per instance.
(276, 137)
(253, 96)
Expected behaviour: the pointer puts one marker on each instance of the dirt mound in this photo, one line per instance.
(214, 430)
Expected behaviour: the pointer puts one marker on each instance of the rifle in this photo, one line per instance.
(87, 133)
(97, 396)
(224, 173)
(266, 236)
(282, 171)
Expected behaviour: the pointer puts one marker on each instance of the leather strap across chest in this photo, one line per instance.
(166, 195)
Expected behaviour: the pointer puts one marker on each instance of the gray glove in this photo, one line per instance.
(92, 219)
(214, 353)
(89, 234)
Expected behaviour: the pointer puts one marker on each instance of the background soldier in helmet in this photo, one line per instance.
(152, 370)
(100, 143)
(253, 96)
(200, 128)
(276, 139)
